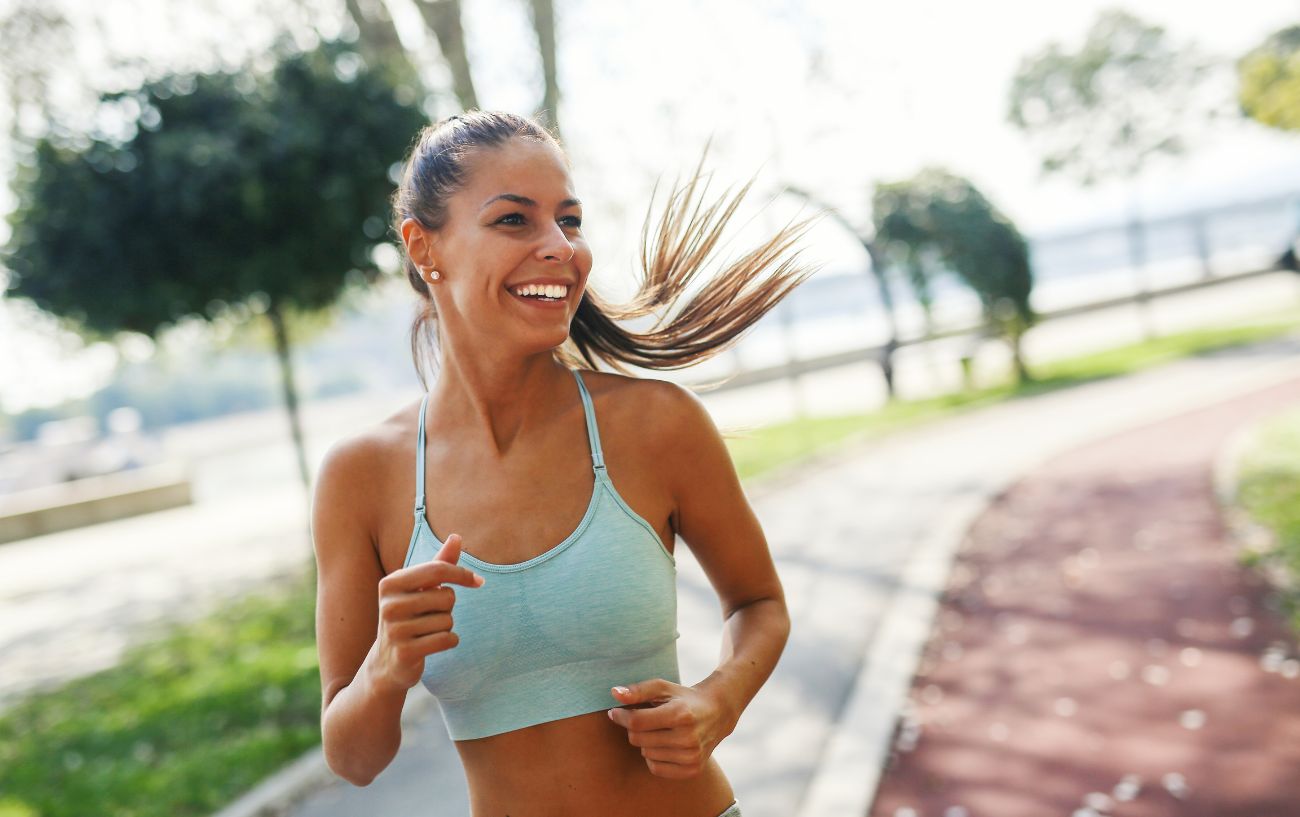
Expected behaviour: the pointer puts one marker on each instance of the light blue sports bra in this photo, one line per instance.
(545, 639)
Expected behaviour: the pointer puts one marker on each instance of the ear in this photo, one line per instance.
(420, 243)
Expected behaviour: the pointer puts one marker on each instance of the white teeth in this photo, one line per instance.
(549, 290)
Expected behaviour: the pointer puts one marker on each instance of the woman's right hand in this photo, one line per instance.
(415, 615)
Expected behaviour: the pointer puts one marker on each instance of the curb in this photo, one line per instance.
(1247, 534)
(849, 772)
(276, 795)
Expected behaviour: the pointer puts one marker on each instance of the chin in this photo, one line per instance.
(539, 344)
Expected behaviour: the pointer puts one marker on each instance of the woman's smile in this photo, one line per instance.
(542, 294)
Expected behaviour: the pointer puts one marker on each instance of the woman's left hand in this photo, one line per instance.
(677, 727)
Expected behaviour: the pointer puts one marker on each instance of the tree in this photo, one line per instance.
(379, 44)
(876, 269)
(38, 45)
(543, 16)
(1126, 95)
(1269, 81)
(937, 216)
(443, 18)
(264, 191)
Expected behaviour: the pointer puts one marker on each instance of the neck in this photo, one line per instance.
(498, 398)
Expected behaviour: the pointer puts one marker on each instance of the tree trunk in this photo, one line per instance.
(380, 46)
(443, 18)
(543, 13)
(276, 317)
(887, 301)
(1137, 257)
(1022, 372)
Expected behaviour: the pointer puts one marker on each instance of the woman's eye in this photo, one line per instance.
(516, 219)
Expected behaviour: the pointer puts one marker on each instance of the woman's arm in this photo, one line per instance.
(360, 720)
(713, 517)
(682, 726)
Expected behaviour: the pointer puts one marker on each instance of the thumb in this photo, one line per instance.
(450, 550)
(635, 693)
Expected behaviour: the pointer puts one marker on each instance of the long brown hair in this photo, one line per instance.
(672, 257)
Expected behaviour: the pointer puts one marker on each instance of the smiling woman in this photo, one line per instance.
(559, 683)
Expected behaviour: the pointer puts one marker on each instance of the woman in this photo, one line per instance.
(557, 674)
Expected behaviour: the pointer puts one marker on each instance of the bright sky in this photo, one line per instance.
(826, 94)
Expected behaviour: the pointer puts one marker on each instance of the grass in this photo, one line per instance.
(1269, 491)
(182, 726)
(186, 723)
(781, 443)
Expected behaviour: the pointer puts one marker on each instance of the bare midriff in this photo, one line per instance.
(582, 766)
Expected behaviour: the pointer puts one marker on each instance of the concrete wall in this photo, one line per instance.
(51, 508)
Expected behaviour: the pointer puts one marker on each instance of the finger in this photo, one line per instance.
(440, 599)
(423, 625)
(644, 720)
(672, 771)
(659, 739)
(685, 757)
(450, 549)
(399, 607)
(433, 642)
(647, 690)
(664, 716)
(435, 572)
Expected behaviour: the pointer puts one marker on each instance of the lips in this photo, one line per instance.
(541, 303)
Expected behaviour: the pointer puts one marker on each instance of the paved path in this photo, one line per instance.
(1097, 647)
(843, 532)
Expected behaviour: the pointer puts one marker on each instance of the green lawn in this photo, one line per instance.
(180, 727)
(1269, 490)
(187, 723)
(782, 443)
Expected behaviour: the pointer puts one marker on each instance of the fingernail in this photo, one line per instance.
(621, 690)
(610, 713)
(481, 581)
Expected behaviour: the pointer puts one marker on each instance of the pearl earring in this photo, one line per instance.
(434, 274)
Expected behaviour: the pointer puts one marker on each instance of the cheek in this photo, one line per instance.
(582, 257)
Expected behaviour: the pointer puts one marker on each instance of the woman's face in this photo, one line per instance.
(516, 222)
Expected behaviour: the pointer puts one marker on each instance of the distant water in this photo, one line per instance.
(841, 309)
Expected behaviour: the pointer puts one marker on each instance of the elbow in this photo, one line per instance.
(353, 775)
(343, 759)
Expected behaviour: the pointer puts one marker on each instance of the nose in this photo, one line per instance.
(557, 246)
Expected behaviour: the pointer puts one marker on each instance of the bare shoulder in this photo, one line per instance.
(660, 411)
(357, 469)
(362, 454)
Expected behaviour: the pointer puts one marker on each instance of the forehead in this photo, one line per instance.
(526, 167)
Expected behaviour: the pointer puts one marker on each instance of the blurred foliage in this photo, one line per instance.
(258, 193)
(937, 221)
(1269, 490)
(1269, 81)
(235, 188)
(182, 726)
(1127, 94)
(38, 43)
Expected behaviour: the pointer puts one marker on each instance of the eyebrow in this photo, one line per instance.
(527, 202)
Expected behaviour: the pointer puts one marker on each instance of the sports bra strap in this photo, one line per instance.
(419, 461)
(593, 434)
(593, 437)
